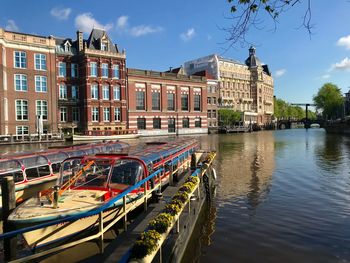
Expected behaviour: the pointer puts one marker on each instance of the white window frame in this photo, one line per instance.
(93, 86)
(21, 56)
(22, 78)
(42, 65)
(63, 114)
(116, 92)
(40, 107)
(61, 66)
(104, 70)
(95, 112)
(114, 67)
(24, 130)
(64, 93)
(41, 80)
(117, 114)
(22, 109)
(95, 67)
(105, 92)
(106, 114)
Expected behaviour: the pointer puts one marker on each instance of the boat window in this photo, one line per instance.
(57, 157)
(126, 172)
(76, 153)
(68, 168)
(56, 167)
(34, 161)
(35, 172)
(95, 175)
(17, 176)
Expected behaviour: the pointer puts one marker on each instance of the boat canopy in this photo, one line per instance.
(11, 168)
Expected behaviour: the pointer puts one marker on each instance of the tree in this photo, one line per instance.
(229, 117)
(330, 100)
(283, 110)
(248, 13)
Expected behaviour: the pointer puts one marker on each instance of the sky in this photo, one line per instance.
(158, 34)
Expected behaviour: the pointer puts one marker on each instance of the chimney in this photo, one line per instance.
(80, 40)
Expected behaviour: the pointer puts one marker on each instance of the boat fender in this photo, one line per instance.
(213, 172)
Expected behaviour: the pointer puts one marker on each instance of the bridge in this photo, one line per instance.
(287, 124)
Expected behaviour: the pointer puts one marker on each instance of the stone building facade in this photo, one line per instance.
(91, 83)
(247, 88)
(163, 103)
(27, 83)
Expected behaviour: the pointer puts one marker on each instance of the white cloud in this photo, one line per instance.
(188, 35)
(11, 25)
(344, 41)
(122, 22)
(325, 76)
(60, 13)
(142, 30)
(135, 31)
(342, 65)
(280, 72)
(86, 22)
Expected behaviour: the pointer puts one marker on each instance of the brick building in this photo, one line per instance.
(27, 83)
(91, 83)
(162, 103)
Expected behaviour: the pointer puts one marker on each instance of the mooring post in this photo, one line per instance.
(8, 204)
(193, 162)
(125, 221)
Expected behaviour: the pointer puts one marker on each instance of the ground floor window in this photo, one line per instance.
(185, 123)
(141, 123)
(197, 123)
(22, 130)
(156, 123)
(63, 114)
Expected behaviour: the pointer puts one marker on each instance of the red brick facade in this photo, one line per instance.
(146, 83)
(35, 93)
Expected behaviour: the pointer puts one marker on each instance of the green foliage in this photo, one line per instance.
(229, 117)
(187, 187)
(330, 100)
(193, 179)
(173, 208)
(146, 244)
(181, 196)
(161, 223)
(283, 110)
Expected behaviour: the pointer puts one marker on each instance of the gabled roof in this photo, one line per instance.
(94, 40)
(61, 42)
(266, 70)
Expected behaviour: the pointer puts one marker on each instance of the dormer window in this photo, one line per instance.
(104, 46)
(67, 46)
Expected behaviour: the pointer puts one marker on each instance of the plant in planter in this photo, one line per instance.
(192, 179)
(181, 196)
(161, 223)
(146, 244)
(173, 208)
(187, 187)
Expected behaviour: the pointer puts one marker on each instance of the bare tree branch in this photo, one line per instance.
(250, 13)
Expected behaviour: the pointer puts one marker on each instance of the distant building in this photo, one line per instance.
(91, 83)
(247, 88)
(27, 83)
(162, 103)
(212, 99)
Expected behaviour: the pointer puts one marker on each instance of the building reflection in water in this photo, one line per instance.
(245, 164)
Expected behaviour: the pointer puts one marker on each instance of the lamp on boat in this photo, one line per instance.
(193, 198)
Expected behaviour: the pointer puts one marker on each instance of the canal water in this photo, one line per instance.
(281, 196)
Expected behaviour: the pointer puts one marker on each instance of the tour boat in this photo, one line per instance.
(94, 184)
(37, 171)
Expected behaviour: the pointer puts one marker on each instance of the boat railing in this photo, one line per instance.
(13, 138)
(98, 211)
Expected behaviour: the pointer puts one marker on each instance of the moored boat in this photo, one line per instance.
(34, 172)
(91, 185)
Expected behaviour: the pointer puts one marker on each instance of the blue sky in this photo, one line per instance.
(158, 34)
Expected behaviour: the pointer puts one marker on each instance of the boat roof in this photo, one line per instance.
(151, 153)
